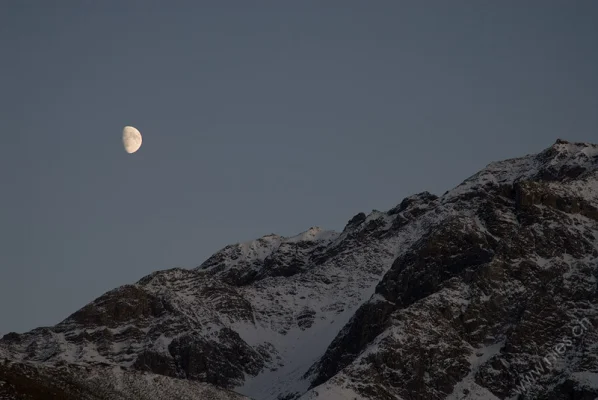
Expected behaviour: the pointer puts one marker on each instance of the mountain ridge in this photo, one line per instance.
(355, 314)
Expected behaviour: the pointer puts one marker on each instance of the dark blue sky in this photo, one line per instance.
(257, 117)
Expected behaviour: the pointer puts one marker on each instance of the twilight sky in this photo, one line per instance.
(257, 117)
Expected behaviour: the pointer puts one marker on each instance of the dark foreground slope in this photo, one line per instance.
(487, 292)
(100, 382)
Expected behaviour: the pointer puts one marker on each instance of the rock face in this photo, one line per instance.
(496, 300)
(487, 292)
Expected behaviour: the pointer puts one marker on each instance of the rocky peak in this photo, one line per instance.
(270, 255)
(315, 233)
(575, 165)
(357, 220)
(420, 199)
(565, 161)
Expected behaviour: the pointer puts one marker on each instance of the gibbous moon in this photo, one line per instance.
(131, 139)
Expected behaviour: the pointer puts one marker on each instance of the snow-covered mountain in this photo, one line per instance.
(487, 292)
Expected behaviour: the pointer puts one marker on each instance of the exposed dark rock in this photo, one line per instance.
(118, 306)
(355, 221)
(222, 361)
(305, 319)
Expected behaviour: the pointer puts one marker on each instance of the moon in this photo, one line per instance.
(131, 139)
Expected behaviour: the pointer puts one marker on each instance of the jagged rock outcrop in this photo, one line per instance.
(487, 292)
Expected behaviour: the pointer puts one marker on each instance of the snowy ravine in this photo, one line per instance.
(454, 297)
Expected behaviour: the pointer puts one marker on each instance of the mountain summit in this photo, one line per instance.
(487, 292)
